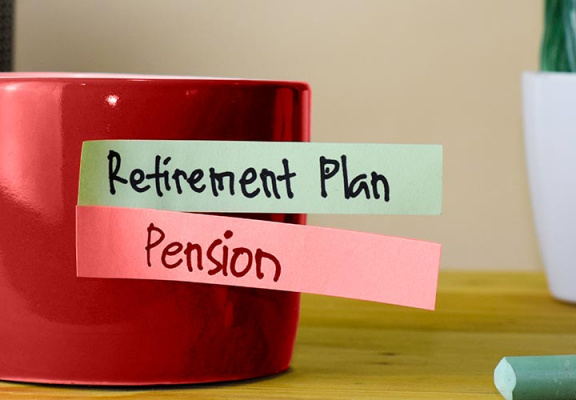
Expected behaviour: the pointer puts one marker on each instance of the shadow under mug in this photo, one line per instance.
(58, 328)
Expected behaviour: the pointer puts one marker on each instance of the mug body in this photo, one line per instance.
(58, 328)
(549, 108)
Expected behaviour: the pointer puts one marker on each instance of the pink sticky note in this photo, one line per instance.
(166, 245)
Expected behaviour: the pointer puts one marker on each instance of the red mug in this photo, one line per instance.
(58, 328)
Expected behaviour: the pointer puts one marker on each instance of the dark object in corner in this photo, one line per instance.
(6, 28)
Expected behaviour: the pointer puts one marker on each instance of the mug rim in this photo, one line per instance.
(122, 77)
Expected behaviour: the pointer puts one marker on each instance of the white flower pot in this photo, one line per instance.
(549, 106)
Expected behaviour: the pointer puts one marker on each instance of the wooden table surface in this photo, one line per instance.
(350, 349)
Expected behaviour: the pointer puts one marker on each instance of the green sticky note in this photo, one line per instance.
(262, 177)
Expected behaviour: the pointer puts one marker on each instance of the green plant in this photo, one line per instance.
(558, 51)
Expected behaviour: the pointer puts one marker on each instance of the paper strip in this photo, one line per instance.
(263, 177)
(164, 245)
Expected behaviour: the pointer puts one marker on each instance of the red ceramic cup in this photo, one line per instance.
(58, 328)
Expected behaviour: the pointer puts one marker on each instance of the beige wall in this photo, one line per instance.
(417, 71)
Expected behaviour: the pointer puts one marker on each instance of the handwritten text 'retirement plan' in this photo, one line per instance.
(249, 182)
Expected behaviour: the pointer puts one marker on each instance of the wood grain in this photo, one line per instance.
(350, 349)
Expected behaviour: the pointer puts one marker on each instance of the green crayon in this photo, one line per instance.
(537, 378)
